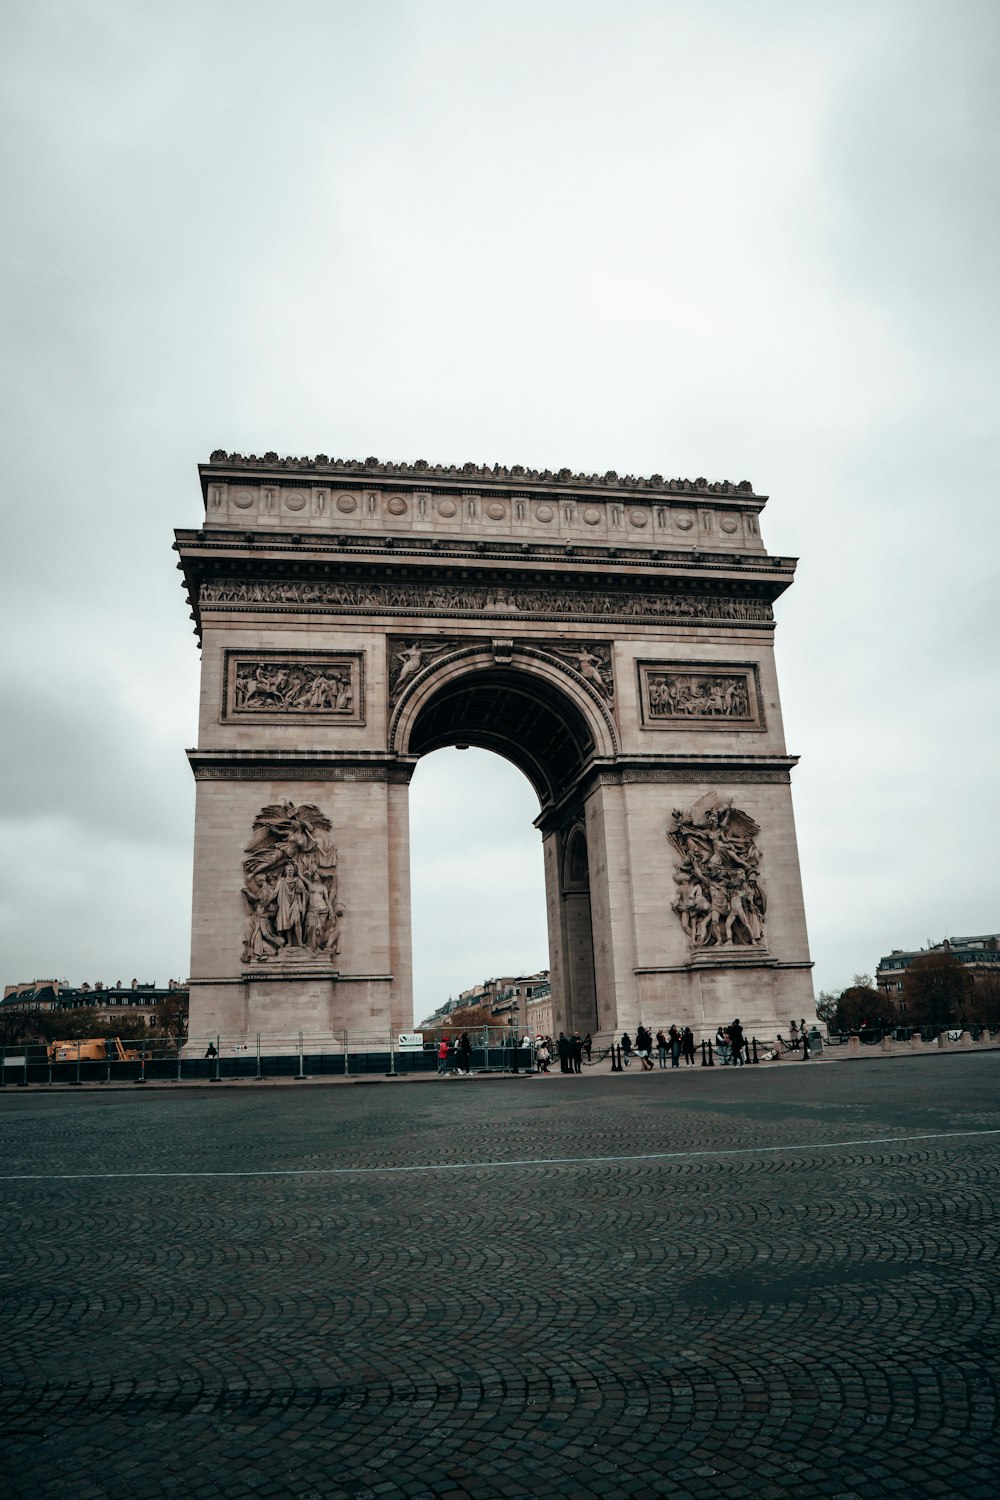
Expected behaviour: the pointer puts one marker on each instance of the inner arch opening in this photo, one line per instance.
(514, 714)
(477, 876)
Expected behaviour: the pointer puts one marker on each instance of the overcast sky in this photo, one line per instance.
(748, 240)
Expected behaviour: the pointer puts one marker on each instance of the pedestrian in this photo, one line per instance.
(687, 1046)
(736, 1042)
(675, 1047)
(805, 1042)
(661, 1047)
(722, 1046)
(464, 1053)
(626, 1049)
(588, 1043)
(575, 1052)
(563, 1049)
(543, 1056)
(211, 1051)
(443, 1046)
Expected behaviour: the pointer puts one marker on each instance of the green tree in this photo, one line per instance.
(68, 1025)
(858, 1005)
(826, 1007)
(171, 1019)
(984, 1004)
(937, 991)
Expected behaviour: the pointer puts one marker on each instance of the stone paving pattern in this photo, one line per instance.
(794, 1318)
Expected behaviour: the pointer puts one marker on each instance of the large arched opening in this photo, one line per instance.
(551, 727)
(477, 876)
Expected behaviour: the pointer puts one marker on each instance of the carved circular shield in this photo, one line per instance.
(446, 507)
(243, 499)
(496, 511)
(592, 515)
(638, 518)
(295, 501)
(396, 506)
(544, 513)
(347, 503)
(729, 524)
(684, 523)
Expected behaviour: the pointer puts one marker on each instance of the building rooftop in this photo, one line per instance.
(420, 469)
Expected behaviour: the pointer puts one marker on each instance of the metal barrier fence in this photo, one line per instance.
(216, 1059)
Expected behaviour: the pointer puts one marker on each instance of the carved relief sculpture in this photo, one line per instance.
(696, 696)
(720, 894)
(674, 695)
(290, 887)
(592, 662)
(313, 685)
(407, 658)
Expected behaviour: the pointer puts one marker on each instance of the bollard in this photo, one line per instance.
(392, 1060)
(616, 1059)
(347, 1049)
(302, 1062)
(746, 1052)
(179, 1051)
(704, 1061)
(218, 1060)
(142, 1065)
(711, 1055)
(259, 1074)
(755, 1057)
(77, 1078)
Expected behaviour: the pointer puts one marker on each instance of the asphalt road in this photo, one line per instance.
(707, 1283)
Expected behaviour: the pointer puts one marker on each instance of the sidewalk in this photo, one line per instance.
(595, 1070)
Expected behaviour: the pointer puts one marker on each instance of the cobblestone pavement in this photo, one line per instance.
(726, 1283)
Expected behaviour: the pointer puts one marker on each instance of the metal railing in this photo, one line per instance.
(219, 1058)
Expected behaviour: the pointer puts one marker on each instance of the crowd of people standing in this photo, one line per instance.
(731, 1045)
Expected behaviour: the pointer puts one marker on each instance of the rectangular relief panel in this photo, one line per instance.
(700, 695)
(261, 686)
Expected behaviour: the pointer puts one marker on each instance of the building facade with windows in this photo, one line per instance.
(979, 955)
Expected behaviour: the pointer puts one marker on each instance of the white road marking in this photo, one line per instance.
(484, 1166)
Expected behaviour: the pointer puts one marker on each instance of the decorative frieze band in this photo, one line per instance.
(691, 775)
(361, 597)
(394, 773)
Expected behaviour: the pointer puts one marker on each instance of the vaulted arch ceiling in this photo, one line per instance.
(517, 716)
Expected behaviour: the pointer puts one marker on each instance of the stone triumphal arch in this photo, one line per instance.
(610, 636)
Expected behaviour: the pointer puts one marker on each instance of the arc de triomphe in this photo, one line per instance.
(610, 636)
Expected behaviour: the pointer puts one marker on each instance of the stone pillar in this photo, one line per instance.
(611, 908)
